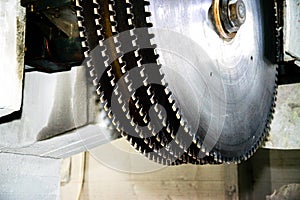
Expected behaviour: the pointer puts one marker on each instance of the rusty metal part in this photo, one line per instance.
(228, 17)
(236, 15)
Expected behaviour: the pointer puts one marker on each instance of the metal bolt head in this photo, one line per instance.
(237, 14)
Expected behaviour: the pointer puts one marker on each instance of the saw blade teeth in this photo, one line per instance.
(145, 120)
(132, 123)
(174, 107)
(120, 101)
(186, 129)
(95, 81)
(130, 21)
(110, 7)
(178, 115)
(99, 93)
(160, 115)
(130, 141)
(145, 81)
(136, 53)
(172, 136)
(199, 146)
(146, 141)
(102, 99)
(127, 114)
(133, 97)
(112, 82)
(158, 138)
(90, 63)
(149, 90)
(182, 122)
(123, 69)
(141, 150)
(137, 104)
(120, 59)
(154, 133)
(171, 100)
(168, 129)
(116, 91)
(84, 44)
(139, 62)
(118, 49)
(150, 127)
(167, 91)
(97, 21)
(136, 129)
(134, 43)
(156, 108)
(80, 24)
(109, 113)
(141, 112)
(164, 83)
(126, 78)
(151, 145)
(129, 87)
(96, 11)
(152, 100)
(81, 34)
(141, 134)
(150, 157)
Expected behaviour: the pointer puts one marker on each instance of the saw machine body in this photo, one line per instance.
(182, 81)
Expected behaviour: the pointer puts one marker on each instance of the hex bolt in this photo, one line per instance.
(237, 14)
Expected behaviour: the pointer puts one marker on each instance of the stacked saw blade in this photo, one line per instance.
(131, 85)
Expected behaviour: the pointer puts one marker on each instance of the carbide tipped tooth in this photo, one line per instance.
(126, 78)
(141, 112)
(152, 100)
(136, 129)
(145, 120)
(99, 93)
(124, 110)
(109, 72)
(112, 82)
(130, 87)
(174, 107)
(137, 105)
(172, 136)
(164, 122)
(123, 69)
(145, 81)
(128, 115)
(149, 91)
(132, 122)
(158, 138)
(168, 129)
(142, 73)
(120, 99)
(154, 133)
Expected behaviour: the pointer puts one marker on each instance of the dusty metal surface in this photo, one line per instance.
(69, 144)
(285, 128)
(53, 104)
(12, 33)
(29, 177)
(292, 30)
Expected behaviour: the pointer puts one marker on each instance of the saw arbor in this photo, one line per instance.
(183, 81)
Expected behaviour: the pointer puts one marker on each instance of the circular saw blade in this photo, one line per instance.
(225, 89)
